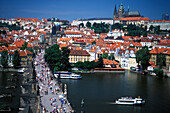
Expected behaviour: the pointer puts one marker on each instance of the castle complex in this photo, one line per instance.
(121, 13)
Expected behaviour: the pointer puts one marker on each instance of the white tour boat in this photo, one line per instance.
(21, 70)
(67, 75)
(130, 101)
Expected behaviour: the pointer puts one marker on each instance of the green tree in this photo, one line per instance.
(4, 58)
(99, 63)
(143, 57)
(146, 28)
(65, 65)
(31, 50)
(158, 72)
(89, 65)
(24, 46)
(105, 55)
(94, 42)
(88, 24)
(94, 24)
(53, 57)
(117, 26)
(145, 34)
(79, 64)
(151, 28)
(157, 29)
(81, 25)
(4, 32)
(161, 60)
(111, 57)
(16, 59)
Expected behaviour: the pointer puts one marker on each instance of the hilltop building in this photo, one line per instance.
(164, 24)
(92, 21)
(121, 13)
(128, 17)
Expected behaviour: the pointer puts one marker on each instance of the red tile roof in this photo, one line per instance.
(72, 32)
(28, 19)
(135, 18)
(160, 21)
(79, 52)
(108, 62)
(22, 53)
(160, 50)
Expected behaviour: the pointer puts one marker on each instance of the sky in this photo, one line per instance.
(77, 9)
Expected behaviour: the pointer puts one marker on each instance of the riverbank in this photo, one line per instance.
(151, 73)
(8, 70)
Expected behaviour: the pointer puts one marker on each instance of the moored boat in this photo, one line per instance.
(130, 101)
(21, 70)
(67, 75)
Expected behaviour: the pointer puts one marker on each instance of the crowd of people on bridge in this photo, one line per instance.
(48, 85)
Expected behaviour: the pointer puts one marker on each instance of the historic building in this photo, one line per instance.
(164, 24)
(165, 51)
(129, 17)
(121, 13)
(78, 55)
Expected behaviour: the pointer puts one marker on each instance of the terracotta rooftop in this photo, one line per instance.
(135, 18)
(108, 62)
(160, 50)
(79, 52)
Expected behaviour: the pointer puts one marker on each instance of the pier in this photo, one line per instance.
(52, 98)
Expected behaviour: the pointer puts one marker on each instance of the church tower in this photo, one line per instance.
(121, 11)
(115, 15)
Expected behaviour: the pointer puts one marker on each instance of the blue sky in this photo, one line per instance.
(74, 9)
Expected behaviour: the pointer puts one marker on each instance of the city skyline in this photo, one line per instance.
(74, 9)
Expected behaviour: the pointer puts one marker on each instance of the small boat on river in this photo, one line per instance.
(21, 70)
(130, 101)
(67, 75)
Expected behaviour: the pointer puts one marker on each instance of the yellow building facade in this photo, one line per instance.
(78, 55)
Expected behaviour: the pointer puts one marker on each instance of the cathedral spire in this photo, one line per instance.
(121, 6)
(115, 13)
(115, 10)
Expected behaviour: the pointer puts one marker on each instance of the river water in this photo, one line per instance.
(8, 79)
(100, 90)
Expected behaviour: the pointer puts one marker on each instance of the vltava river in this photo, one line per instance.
(100, 90)
(8, 79)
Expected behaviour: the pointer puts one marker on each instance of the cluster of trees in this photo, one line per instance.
(57, 59)
(89, 65)
(161, 61)
(154, 29)
(134, 30)
(117, 26)
(143, 57)
(11, 27)
(16, 59)
(97, 27)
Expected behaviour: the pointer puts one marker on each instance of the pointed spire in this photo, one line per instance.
(115, 14)
(128, 8)
(115, 11)
(121, 6)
